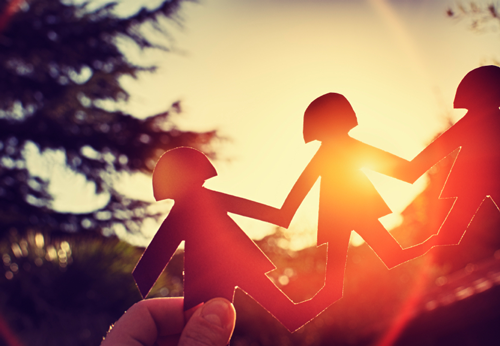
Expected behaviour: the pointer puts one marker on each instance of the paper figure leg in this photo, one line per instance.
(457, 221)
(387, 248)
(338, 244)
(291, 315)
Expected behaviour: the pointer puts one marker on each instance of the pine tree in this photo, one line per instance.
(59, 63)
(481, 16)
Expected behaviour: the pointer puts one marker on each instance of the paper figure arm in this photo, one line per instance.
(248, 208)
(382, 161)
(389, 164)
(441, 147)
(409, 171)
(157, 255)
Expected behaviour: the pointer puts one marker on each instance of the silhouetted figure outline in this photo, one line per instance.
(475, 174)
(218, 255)
(348, 201)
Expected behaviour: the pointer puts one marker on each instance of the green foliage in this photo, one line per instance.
(60, 67)
(68, 291)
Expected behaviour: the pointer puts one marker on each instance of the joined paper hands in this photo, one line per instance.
(219, 256)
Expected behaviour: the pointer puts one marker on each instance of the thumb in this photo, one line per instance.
(211, 325)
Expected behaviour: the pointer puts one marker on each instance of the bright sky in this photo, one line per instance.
(250, 68)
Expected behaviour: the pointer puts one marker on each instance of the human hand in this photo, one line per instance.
(162, 321)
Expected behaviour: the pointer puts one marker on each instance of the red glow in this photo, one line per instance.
(9, 11)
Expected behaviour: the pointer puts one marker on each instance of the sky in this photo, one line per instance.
(249, 69)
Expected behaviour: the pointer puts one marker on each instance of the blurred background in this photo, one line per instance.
(92, 93)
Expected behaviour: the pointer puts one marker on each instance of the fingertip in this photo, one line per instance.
(211, 325)
(220, 312)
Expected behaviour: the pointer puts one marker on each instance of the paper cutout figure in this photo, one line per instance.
(218, 255)
(348, 200)
(476, 172)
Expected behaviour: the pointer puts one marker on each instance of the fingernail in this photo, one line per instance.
(217, 312)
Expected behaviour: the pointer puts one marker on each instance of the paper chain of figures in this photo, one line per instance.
(219, 256)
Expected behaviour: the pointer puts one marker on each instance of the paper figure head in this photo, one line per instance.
(480, 88)
(180, 170)
(327, 116)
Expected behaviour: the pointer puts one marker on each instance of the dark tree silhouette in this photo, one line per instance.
(480, 16)
(59, 63)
